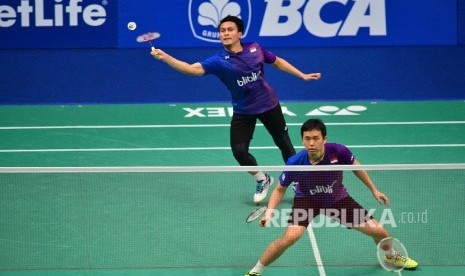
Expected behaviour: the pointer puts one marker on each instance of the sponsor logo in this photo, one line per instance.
(205, 16)
(335, 110)
(247, 79)
(284, 18)
(38, 13)
(320, 189)
(207, 112)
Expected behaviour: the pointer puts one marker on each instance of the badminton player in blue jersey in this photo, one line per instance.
(323, 192)
(240, 66)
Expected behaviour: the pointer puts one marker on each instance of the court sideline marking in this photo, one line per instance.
(220, 125)
(211, 125)
(316, 251)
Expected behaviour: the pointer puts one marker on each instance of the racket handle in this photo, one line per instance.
(153, 49)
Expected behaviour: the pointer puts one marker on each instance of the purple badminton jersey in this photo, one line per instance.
(325, 187)
(244, 76)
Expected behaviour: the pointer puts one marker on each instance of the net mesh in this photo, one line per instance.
(125, 218)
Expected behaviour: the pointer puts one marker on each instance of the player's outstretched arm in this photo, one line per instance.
(285, 66)
(194, 69)
(363, 176)
(275, 199)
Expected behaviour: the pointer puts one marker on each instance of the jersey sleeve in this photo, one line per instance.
(269, 57)
(210, 65)
(345, 155)
(285, 179)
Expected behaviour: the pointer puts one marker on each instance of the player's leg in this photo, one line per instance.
(356, 217)
(241, 133)
(375, 230)
(292, 234)
(303, 212)
(274, 122)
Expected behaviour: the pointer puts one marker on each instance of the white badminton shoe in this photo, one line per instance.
(262, 189)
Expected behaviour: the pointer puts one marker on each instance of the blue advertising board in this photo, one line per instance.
(101, 62)
(298, 23)
(461, 21)
(193, 23)
(58, 24)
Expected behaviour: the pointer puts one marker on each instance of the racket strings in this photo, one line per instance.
(148, 37)
(256, 214)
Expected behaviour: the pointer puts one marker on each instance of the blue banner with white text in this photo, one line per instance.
(193, 23)
(58, 24)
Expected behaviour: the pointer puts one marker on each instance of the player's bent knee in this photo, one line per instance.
(373, 228)
(285, 242)
(292, 235)
(242, 158)
(242, 155)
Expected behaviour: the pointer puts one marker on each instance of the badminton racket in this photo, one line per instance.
(148, 37)
(401, 254)
(256, 214)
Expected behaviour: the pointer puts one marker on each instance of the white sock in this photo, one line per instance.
(258, 268)
(390, 253)
(260, 176)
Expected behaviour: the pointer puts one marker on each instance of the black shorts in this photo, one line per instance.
(346, 211)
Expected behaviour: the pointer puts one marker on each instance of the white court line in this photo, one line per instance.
(316, 251)
(222, 125)
(216, 148)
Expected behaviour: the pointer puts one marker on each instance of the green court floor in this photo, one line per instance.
(188, 223)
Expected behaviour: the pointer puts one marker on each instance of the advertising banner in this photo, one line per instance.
(58, 23)
(295, 23)
(193, 23)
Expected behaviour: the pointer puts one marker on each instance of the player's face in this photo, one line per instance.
(229, 35)
(314, 142)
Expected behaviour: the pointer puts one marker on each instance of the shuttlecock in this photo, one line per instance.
(132, 26)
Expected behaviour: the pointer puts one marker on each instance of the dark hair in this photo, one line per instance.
(234, 19)
(313, 124)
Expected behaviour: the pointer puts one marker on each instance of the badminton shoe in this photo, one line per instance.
(262, 189)
(252, 274)
(401, 261)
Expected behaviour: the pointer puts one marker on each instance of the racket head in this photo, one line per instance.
(147, 37)
(256, 214)
(383, 246)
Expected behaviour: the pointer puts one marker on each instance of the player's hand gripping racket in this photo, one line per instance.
(256, 214)
(400, 258)
(148, 37)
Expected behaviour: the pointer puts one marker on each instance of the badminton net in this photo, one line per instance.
(194, 217)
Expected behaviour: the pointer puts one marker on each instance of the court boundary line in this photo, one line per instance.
(316, 251)
(219, 125)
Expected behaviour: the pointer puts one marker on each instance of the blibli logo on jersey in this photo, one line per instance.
(320, 189)
(248, 79)
(205, 16)
(284, 18)
(42, 13)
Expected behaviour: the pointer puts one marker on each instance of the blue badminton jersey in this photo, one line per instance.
(243, 75)
(325, 187)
